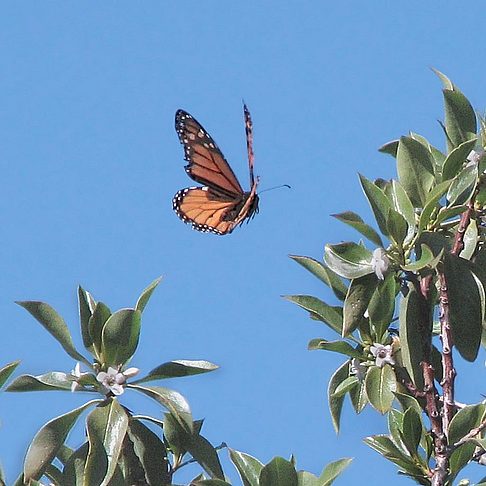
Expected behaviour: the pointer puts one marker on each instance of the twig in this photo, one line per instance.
(191, 461)
(470, 435)
(404, 378)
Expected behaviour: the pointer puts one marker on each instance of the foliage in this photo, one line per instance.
(428, 261)
(122, 447)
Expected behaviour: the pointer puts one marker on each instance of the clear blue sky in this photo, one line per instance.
(90, 161)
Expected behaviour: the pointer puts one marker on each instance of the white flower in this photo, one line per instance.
(380, 263)
(113, 380)
(358, 369)
(383, 354)
(76, 374)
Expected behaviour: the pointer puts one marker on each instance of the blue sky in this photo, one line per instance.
(90, 161)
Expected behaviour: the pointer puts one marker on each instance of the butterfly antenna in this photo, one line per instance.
(275, 187)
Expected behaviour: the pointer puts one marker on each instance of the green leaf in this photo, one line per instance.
(412, 430)
(380, 386)
(64, 453)
(355, 221)
(446, 214)
(6, 371)
(51, 381)
(384, 185)
(120, 336)
(390, 148)
(460, 119)
(305, 478)
(357, 300)
(106, 428)
(465, 420)
(146, 294)
(48, 440)
(247, 466)
(397, 227)
(86, 305)
(382, 305)
(406, 402)
(333, 470)
(385, 446)
(470, 240)
(436, 360)
(55, 325)
(431, 203)
(348, 384)
(465, 306)
(379, 202)
(463, 186)
(199, 447)
(73, 472)
(101, 314)
(462, 423)
(278, 471)
(412, 326)
(459, 458)
(358, 397)
(437, 156)
(446, 82)
(395, 427)
(426, 259)
(348, 259)
(332, 316)
(336, 402)
(175, 435)
(341, 347)
(456, 159)
(151, 453)
(323, 273)
(178, 369)
(404, 206)
(415, 167)
(171, 400)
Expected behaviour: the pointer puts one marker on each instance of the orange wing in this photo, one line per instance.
(207, 164)
(208, 211)
(222, 204)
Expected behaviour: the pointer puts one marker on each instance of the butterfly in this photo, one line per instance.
(221, 204)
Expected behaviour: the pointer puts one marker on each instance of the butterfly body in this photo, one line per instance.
(221, 204)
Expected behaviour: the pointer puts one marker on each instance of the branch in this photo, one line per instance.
(466, 216)
(431, 394)
(447, 360)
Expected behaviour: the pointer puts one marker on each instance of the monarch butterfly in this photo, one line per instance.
(221, 204)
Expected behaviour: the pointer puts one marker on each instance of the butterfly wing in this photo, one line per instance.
(206, 210)
(249, 143)
(222, 204)
(207, 164)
